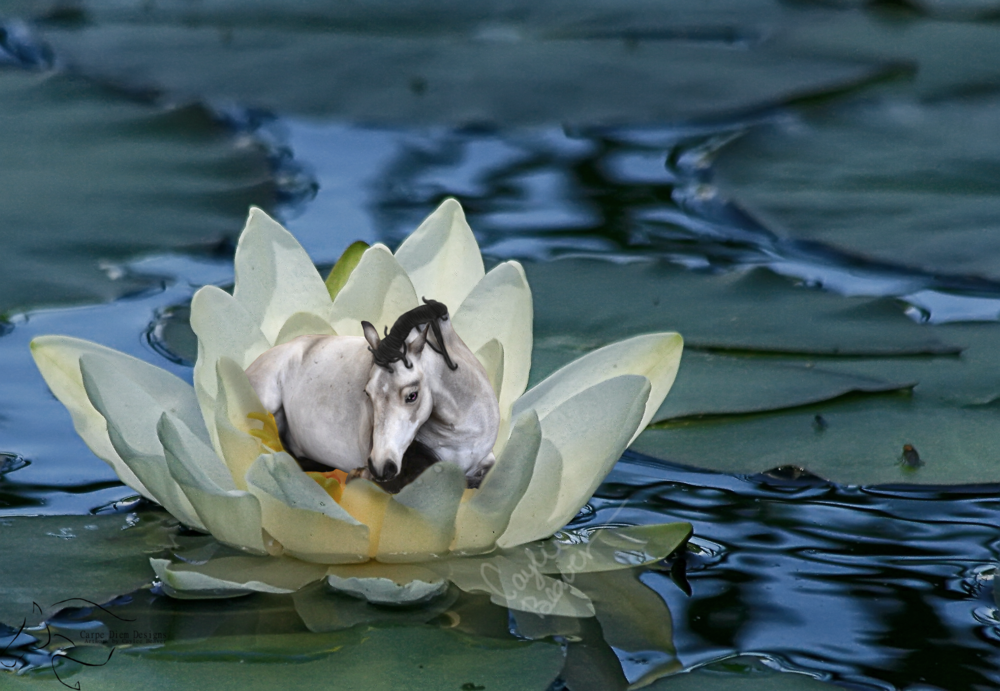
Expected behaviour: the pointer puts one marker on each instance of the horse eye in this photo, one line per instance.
(411, 397)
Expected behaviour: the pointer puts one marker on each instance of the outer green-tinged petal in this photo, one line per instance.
(132, 412)
(387, 584)
(590, 431)
(302, 517)
(344, 267)
(303, 324)
(58, 359)
(442, 256)
(378, 291)
(262, 574)
(605, 549)
(275, 278)
(500, 307)
(654, 356)
(490, 356)
(232, 516)
(420, 520)
(224, 329)
(236, 400)
(515, 585)
(536, 504)
(482, 519)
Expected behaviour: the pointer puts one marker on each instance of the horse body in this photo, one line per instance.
(315, 388)
(343, 402)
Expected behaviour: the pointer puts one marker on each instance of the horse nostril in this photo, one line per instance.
(390, 471)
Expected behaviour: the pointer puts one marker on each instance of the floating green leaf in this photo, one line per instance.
(453, 63)
(911, 183)
(68, 560)
(92, 179)
(362, 658)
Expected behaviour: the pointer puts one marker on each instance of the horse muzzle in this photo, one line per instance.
(389, 471)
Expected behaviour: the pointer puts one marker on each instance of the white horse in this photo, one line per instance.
(362, 404)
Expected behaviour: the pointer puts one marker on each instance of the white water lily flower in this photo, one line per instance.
(207, 453)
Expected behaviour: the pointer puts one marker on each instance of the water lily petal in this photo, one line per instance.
(302, 517)
(58, 359)
(500, 307)
(303, 324)
(482, 519)
(590, 431)
(654, 356)
(132, 406)
(366, 502)
(420, 521)
(491, 357)
(515, 586)
(236, 401)
(378, 291)
(227, 573)
(275, 278)
(387, 584)
(231, 515)
(224, 329)
(605, 549)
(442, 256)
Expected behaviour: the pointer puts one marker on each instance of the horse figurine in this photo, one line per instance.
(385, 407)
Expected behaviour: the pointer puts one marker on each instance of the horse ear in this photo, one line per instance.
(417, 344)
(371, 335)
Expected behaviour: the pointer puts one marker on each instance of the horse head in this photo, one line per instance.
(397, 386)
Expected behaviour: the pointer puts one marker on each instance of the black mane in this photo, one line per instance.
(392, 348)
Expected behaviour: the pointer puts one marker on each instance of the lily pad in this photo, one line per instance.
(581, 304)
(858, 442)
(67, 561)
(92, 178)
(911, 183)
(712, 384)
(362, 658)
(411, 64)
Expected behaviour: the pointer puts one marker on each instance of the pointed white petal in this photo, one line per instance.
(535, 506)
(654, 356)
(300, 515)
(303, 324)
(224, 329)
(132, 406)
(420, 521)
(378, 291)
(227, 573)
(236, 401)
(500, 307)
(387, 584)
(232, 516)
(483, 519)
(490, 356)
(58, 359)
(275, 278)
(590, 431)
(442, 256)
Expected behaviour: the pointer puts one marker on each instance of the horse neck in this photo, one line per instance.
(455, 392)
